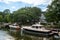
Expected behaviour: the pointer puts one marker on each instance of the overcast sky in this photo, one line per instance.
(16, 4)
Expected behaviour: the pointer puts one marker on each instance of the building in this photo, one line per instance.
(43, 18)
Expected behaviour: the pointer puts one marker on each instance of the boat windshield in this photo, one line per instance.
(36, 27)
(15, 25)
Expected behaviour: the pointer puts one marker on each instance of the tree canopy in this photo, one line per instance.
(22, 15)
(53, 11)
(27, 14)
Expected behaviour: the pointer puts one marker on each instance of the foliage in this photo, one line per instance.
(27, 15)
(1, 16)
(53, 11)
(23, 15)
(6, 15)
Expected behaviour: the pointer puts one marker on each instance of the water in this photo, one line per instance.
(5, 36)
(17, 36)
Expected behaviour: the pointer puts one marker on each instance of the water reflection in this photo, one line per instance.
(17, 36)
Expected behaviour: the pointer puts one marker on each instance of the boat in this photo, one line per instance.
(37, 30)
(14, 27)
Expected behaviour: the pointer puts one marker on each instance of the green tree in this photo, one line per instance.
(6, 15)
(7, 18)
(27, 14)
(6, 11)
(1, 16)
(53, 11)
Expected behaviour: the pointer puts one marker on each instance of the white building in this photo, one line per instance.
(42, 18)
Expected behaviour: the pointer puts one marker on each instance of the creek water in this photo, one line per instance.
(17, 35)
(7, 35)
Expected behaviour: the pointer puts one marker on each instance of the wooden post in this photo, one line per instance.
(21, 31)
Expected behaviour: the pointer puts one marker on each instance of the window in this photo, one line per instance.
(36, 26)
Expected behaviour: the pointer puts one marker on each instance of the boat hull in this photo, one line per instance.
(37, 33)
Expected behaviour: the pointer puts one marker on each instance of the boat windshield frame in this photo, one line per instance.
(37, 26)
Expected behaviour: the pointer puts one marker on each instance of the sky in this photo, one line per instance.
(14, 5)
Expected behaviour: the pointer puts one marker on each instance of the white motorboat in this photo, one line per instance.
(37, 30)
(14, 27)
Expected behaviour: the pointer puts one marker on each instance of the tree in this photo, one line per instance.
(53, 11)
(7, 18)
(27, 14)
(6, 11)
(1, 16)
(6, 15)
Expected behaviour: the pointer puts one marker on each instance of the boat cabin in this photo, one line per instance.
(37, 26)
